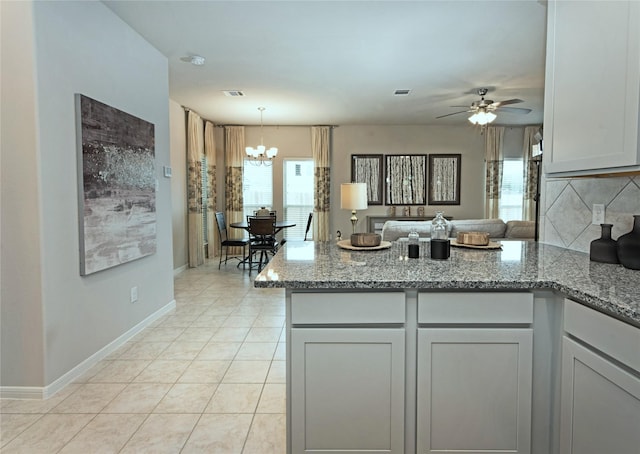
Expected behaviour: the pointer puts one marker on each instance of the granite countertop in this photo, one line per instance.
(519, 265)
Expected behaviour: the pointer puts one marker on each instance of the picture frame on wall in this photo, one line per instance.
(368, 168)
(406, 179)
(116, 186)
(444, 179)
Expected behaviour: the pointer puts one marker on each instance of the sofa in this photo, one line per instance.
(496, 228)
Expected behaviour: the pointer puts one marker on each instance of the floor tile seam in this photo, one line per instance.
(105, 406)
(79, 430)
(124, 445)
(3, 443)
(186, 440)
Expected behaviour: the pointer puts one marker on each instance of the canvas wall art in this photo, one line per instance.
(444, 179)
(406, 179)
(367, 168)
(117, 199)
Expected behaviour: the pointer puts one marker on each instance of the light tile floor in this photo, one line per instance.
(207, 378)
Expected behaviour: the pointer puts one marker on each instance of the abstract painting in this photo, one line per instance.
(367, 168)
(444, 179)
(406, 179)
(116, 195)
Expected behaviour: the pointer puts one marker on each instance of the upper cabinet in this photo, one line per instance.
(592, 88)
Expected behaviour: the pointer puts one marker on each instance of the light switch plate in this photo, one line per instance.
(167, 171)
(597, 214)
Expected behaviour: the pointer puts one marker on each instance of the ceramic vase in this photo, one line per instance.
(629, 246)
(604, 249)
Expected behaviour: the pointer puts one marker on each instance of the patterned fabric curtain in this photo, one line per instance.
(210, 154)
(494, 161)
(234, 161)
(194, 188)
(321, 156)
(530, 175)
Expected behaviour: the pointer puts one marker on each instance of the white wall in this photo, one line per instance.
(411, 139)
(80, 47)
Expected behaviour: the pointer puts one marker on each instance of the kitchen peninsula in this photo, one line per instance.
(490, 351)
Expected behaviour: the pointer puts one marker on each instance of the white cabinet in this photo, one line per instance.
(348, 385)
(474, 383)
(600, 404)
(600, 397)
(592, 87)
(346, 372)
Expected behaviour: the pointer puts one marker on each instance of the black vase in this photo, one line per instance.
(629, 246)
(604, 249)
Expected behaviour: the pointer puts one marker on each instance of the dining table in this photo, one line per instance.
(279, 225)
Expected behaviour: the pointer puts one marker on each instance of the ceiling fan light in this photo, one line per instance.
(474, 119)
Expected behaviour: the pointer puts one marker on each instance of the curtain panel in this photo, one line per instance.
(194, 189)
(320, 147)
(530, 165)
(210, 154)
(494, 161)
(234, 162)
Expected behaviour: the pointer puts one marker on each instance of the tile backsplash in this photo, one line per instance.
(566, 205)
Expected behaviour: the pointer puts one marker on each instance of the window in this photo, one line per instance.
(510, 207)
(298, 196)
(257, 187)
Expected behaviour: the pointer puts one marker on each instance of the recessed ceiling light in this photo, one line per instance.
(402, 92)
(197, 60)
(233, 93)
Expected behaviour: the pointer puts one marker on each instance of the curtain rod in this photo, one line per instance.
(188, 109)
(284, 126)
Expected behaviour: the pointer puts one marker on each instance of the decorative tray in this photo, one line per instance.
(346, 244)
(491, 245)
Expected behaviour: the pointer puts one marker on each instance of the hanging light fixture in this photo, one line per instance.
(260, 155)
(482, 117)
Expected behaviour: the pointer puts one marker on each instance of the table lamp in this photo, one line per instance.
(353, 196)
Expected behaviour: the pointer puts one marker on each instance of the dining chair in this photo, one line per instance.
(262, 238)
(309, 221)
(225, 242)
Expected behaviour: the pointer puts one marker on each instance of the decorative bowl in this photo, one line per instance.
(365, 239)
(473, 238)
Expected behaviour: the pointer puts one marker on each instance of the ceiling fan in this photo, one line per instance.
(483, 110)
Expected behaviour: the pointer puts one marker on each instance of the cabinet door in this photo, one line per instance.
(474, 390)
(592, 86)
(600, 404)
(347, 390)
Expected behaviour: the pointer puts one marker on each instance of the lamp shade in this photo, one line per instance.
(353, 196)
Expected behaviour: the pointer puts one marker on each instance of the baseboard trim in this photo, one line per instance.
(44, 392)
(179, 270)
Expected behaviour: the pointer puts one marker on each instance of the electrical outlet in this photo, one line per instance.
(597, 214)
(134, 294)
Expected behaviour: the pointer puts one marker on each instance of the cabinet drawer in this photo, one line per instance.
(475, 308)
(612, 337)
(347, 308)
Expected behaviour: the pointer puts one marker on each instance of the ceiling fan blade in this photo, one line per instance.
(454, 113)
(518, 110)
(506, 102)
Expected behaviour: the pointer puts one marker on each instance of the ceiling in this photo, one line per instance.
(339, 62)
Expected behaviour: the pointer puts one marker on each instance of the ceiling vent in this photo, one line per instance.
(233, 93)
(402, 92)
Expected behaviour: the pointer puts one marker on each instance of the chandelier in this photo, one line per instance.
(260, 155)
